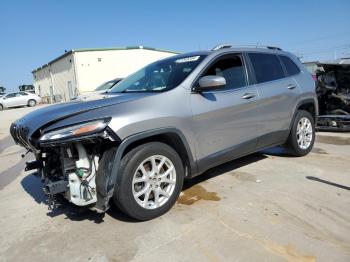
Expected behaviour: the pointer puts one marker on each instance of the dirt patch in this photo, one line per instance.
(243, 176)
(333, 140)
(196, 193)
(288, 252)
(318, 150)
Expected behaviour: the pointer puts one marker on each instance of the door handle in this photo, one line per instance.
(248, 96)
(291, 86)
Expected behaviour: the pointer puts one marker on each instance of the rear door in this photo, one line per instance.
(277, 94)
(23, 98)
(224, 120)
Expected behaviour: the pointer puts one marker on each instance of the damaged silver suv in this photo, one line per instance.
(170, 121)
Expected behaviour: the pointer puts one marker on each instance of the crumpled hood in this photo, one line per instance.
(44, 116)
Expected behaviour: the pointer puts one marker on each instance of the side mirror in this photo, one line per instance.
(210, 83)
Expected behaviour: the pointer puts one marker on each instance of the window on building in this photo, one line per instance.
(291, 67)
(267, 67)
(232, 69)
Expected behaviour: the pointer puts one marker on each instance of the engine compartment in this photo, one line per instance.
(333, 93)
(70, 170)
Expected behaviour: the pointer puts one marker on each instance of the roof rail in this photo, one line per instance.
(273, 48)
(222, 46)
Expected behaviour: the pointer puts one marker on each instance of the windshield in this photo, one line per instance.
(106, 85)
(159, 76)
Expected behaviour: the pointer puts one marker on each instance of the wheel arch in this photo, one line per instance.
(173, 138)
(309, 105)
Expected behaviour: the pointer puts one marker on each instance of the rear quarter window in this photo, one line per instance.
(290, 66)
(267, 67)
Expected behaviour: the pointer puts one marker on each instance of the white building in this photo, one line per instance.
(82, 70)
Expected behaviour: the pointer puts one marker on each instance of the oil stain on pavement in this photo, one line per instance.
(5, 143)
(196, 193)
(10, 174)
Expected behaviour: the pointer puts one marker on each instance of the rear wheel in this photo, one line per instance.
(31, 103)
(150, 179)
(302, 135)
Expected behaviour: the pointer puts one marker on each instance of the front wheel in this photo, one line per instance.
(1, 107)
(149, 181)
(302, 135)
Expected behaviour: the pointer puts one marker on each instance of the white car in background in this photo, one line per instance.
(101, 89)
(19, 99)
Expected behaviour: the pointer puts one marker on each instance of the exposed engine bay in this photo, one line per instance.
(77, 168)
(333, 92)
(71, 171)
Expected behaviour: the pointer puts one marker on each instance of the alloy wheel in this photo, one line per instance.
(304, 133)
(154, 182)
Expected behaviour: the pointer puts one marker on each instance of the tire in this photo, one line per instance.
(306, 136)
(127, 192)
(1, 107)
(31, 103)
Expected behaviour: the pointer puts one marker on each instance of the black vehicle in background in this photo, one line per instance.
(27, 88)
(2, 90)
(333, 93)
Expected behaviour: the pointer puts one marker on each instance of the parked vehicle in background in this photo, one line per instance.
(333, 92)
(99, 90)
(19, 99)
(27, 88)
(170, 121)
(2, 90)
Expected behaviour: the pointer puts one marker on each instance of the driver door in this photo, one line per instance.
(225, 120)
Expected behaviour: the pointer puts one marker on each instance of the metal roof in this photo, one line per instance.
(103, 49)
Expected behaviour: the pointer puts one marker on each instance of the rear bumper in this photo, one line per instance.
(333, 123)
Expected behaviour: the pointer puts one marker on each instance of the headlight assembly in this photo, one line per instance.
(76, 130)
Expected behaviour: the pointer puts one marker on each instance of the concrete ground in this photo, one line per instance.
(264, 207)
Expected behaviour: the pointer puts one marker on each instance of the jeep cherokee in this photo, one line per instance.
(170, 121)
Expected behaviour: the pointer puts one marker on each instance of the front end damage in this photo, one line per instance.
(77, 167)
(333, 93)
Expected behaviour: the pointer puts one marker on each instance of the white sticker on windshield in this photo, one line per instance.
(187, 59)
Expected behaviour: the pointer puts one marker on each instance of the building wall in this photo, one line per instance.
(96, 67)
(83, 71)
(63, 77)
(42, 81)
(57, 75)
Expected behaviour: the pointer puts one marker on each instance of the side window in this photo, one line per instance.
(23, 93)
(267, 67)
(232, 69)
(291, 67)
(11, 95)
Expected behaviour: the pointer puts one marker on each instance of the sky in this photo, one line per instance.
(32, 32)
